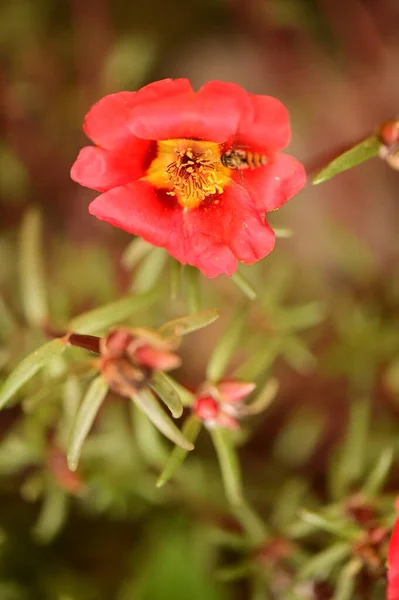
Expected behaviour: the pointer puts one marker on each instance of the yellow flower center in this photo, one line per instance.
(189, 170)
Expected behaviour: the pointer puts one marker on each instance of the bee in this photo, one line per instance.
(242, 159)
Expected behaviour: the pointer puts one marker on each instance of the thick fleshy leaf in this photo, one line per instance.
(346, 584)
(235, 572)
(84, 419)
(111, 314)
(244, 285)
(148, 439)
(229, 465)
(323, 523)
(379, 474)
(149, 271)
(185, 325)
(264, 398)
(192, 284)
(28, 367)
(350, 462)
(320, 566)
(190, 430)
(225, 347)
(163, 386)
(52, 516)
(31, 270)
(259, 361)
(134, 253)
(148, 404)
(356, 155)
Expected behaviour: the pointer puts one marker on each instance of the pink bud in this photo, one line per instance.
(157, 359)
(115, 344)
(227, 421)
(233, 392)
(206, 408)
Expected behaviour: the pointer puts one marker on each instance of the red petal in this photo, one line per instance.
(246, 232)
(109, 121)
(206, 408)
(393, 565)
(208, 115)
(210, 237)
(275, 183)
(266, 126)
(102, 170)
(235, 391)
(227, 421)
(157, 359)
(137, 208)
(218, 234)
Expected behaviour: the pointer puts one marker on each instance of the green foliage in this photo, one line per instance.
(368, 148)
(289, 477)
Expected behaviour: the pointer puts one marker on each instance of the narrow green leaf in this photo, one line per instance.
(375, 481)
(229, 465)
(345, 587)
(84, 419)
(321, 565)
(185, 325)
(111, 314)
(175, 276)
(325, 524)
(149, 441)
(8, 323)
(225, 347)
(187, 398)
(28, 367)
(351, 462)
(356, 155)
(252, 524)
(244, 285)
(193, 286)
(163, 386)
(31, 270)
(149, 271)
(260, 360)
(264, 398)
(190, 430)
(298, 355)
(235, 572)
(304, 316)
(52, 516)
(148, 404)
(135, 252)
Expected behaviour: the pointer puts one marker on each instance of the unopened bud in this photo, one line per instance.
(206, 408)
(389, 150)
(130, 357)
(235, 391)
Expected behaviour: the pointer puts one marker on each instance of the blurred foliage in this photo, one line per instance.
(299, 502)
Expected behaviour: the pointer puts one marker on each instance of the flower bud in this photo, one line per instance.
(235, 391)
(130, 357)
(206, 408)
(389, 150)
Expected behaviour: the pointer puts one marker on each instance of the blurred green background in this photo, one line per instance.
(325, 322)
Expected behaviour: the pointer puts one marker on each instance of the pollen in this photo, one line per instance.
(189, 170)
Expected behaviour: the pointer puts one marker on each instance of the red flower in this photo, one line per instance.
(393, 565)
(222, 405)
(158, 160)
